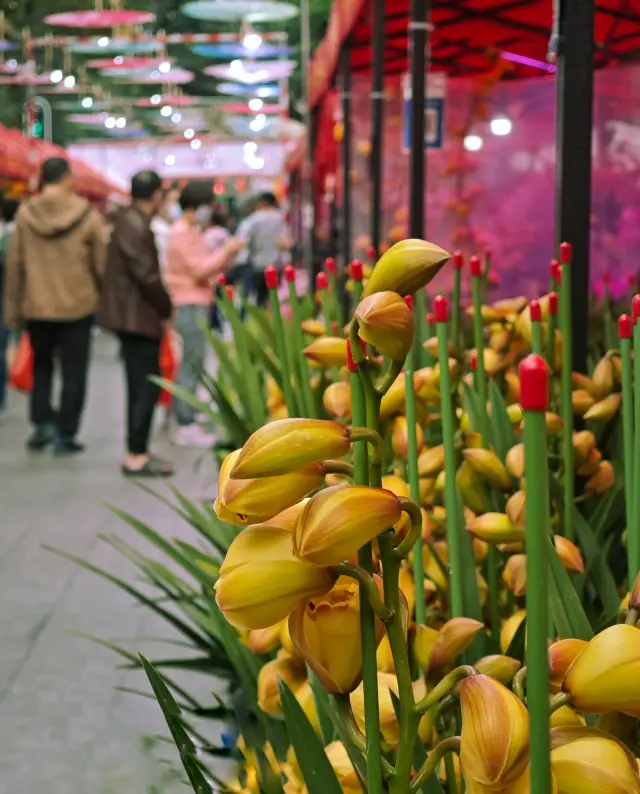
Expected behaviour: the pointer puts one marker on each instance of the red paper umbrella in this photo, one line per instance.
(100, 19)
(159, 100)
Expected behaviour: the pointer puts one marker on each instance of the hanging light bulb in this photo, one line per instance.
(167, 110)
(170, 159)
(252, 41)
(56, 76)
(473, 143)
(255, 104)
(69, 81)
(164, 67)
(501, 125)
(87, 102)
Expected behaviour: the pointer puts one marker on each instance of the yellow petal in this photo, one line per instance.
(386, 322)
(406, 267)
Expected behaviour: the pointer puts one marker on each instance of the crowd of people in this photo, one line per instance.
(151, 270)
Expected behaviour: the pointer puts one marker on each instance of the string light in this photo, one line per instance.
(473, 143)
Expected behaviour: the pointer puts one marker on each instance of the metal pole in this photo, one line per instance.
(573, 155)
(345, 59)
(418, 31)
(307, 185)
(377, 100)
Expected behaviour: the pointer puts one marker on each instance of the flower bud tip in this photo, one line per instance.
(289, 273)
(322, 282)
(534, 383)
(476, 266)
(356, 270)
(458, 260)
(441, 309)
(555, 269)
(371, 252)
(606, 278)
(635, 308)
(351, 364)
(625, 326)
(222, 280)
(408, 299)
(271, 277)
(473, 361)
(535, 311)
(553, 303)
(229, 290)
(330, 265)
(431, 318)
(566, 252)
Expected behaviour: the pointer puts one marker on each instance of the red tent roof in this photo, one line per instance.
(465, 33)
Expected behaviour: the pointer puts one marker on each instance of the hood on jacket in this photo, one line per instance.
(54, 213)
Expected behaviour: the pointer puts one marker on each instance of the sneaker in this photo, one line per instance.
(41, 437)
(193, 436)
(67, 446)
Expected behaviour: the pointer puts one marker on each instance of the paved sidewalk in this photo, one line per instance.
(63, 727)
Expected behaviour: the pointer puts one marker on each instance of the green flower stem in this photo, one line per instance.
(412, 509)
(303, 364)
(374, 438)
(633, 539)
(347, 724)
(518, 684)
(388, 378)
(566, 409)
(339, 467)
(536, 338)
(249, 370)
(444, 687)
(456, 310)
(537, 526)
(414, 485)
(552, 325)
(365, 579)
(478, 341)
(357, 291)
(373, 751)
(450, 745)
(334, 306)
(419, 329)
(634, 529)
(633, 615)
(282, 352)
(453, 514)
(557, 702)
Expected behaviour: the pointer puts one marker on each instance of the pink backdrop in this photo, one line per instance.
(502, 197)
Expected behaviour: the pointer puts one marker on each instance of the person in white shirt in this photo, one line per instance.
(161, 226)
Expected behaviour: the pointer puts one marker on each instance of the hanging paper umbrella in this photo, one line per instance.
(120, 62)
(104, 44)
(251, 72)
(262, 91)
(251, 10)
(231, 49)
(159, 100)
(113, 18)
(151, 77)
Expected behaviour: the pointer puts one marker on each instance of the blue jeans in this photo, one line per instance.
(188, 324)
(5, 335)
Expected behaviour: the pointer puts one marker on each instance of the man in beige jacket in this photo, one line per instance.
(53, 275)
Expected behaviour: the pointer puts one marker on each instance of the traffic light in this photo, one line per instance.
(36, 118)
(37, 121)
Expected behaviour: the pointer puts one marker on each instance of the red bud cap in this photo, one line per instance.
(351, 364)
(566, 252)
(635, 308)
(271, 277)
(356, 270)
(535, 311)
(441, 309)
(322, 282)
(555, 270)
(458, 260)
(625, 326)
(606, 278)
(476, 266)
(289, 273)
(431, 318)
(222, 280)
(631, 279)
(553, 303)
(473, 360)
(487, 253)
(371, 252)
(330, 265)
(229, 290)
(408, 299)
(534, 383)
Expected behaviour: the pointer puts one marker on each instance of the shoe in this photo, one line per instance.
(41, 437)
(193, 436)
(67, 446)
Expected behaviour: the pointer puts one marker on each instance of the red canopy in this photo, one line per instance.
(465, 33)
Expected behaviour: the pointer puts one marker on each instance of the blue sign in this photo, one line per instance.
(433, 123)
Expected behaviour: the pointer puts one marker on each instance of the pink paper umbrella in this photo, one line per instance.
(100, 19)
(166, 99)
(120, 62)
(155, 77)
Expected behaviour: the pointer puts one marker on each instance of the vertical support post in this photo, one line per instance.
(625, 331)
(345, 68)
(573, 155)
(377, 100)
(307, 182)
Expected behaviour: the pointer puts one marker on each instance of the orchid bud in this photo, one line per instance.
(288, 444)
(590, 466)
(470, 487)
(502, 668)
(406, 267)
(431, 461)
(603, 479)
(313, 327)
(569, 554)
(261, 581)
(562, 654)
(393, 402)
(400, 439)
(386, 322)
(513, 387)
(566, 717)
(496, 528)
(337, 400)
(581, 402)
(515, 508)
(426, 637)
(510, 628)
(265, 640)
(515, 413)
(583, 443)
(455, 636)
(580, 382)
(515, 574)
(286, 669)
(488, 466)
(603, 378)
(515, 461)
(339, 759)
(288, 518)
(606, 409)
(389, 726)
(327, 351)
(338, 521)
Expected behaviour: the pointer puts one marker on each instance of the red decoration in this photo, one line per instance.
(458, 260)
(566, 252)
(229, 290)
(555, 270)
(431, 318)
(473, 360)
(271, 277)
(441, 309)
(322, 282)
(476, 266)
(408, 299)
(534, 383)
(371, 253)
(351, 364)
(289, 273)
(100, 19)
(330, 265)
(635, 308)
(356, 270)
(625, 326)
(553, 303)
(535, 311)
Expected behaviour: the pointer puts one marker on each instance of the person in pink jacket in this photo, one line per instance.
(190, 272)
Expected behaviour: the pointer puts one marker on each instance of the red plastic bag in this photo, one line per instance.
(21, 372)
(168, 368)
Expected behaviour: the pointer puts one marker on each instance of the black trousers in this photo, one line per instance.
(260, 289)
(71, 343)
(141, 357)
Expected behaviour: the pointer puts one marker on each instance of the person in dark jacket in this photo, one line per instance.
(135, 305)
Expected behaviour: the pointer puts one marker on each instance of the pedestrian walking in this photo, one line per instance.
(136, 306)
(190, 274)
(8, 208)
(54, 271)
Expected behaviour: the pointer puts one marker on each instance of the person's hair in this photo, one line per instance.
(269, 199)
(219, 219)
(144, 185)
(194, 195)
(9, 209)
(54, 170)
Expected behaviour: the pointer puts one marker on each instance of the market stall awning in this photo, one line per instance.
(466, 33)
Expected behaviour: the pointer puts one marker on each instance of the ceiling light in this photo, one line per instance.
(87, 102)
(501, 125)
(188, 134)
(176, 117)
(473, 143)
(255, 104)
(166, 110)
(250, 147)
(69, 81)
(56, 76)
(195, 144)
(170, 159)
(110, 122)
(252, 41)
(121, 122)
(258, 122)
(263, 92)
(156, 99)
(103, 41)
(164, 67)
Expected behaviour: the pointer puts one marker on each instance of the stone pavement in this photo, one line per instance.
(64, 729)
